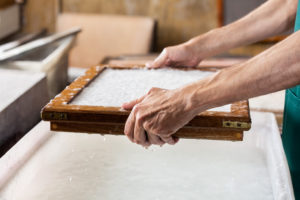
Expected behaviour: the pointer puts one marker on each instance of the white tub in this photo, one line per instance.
(53, 165)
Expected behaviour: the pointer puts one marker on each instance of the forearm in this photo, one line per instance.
(271, 18)
(275, 69)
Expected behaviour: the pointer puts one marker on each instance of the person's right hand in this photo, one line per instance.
(175, 56)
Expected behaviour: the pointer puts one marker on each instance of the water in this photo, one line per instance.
(81, 166)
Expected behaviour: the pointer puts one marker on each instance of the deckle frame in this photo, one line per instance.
(111, 120)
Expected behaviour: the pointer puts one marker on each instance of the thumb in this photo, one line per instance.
(129, 105)
(159, 62)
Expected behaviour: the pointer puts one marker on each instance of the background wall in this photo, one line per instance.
(40, 14)
(177, 20)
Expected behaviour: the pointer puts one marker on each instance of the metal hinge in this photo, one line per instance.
(56, 116)
(233, 124)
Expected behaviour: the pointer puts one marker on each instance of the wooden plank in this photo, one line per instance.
(109, 34)
(5, 3)
(213, 63)
(40, 14)
(10, 20)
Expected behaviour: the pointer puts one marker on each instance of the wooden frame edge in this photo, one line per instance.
(117, 129)
(60, 109)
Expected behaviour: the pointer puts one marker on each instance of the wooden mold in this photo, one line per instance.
(111, 120)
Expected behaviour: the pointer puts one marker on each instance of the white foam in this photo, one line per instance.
(115, 87)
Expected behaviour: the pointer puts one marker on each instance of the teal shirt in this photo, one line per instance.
(296, 90)
(297, 22)
(291, 127)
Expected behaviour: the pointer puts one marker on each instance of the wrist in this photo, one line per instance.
(193, 97)
(205, 94)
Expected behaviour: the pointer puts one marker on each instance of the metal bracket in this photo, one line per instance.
(234, 124)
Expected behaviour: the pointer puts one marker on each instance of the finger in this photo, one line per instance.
(154, 139)
(129, 126)
(131, 104)
(160, 61)
(140, 134)
(168, 139)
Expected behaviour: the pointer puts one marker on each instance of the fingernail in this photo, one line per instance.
(147, 65)
(125, 106)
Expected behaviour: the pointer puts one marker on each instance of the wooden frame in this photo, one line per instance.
(6, 3)
(220, 16)
(110, 120)
(129, 60)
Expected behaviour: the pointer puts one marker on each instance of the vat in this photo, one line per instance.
(57, 165)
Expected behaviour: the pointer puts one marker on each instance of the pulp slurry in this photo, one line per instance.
(72, 166)
(115, 87)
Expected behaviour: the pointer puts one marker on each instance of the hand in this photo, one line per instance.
(180, 55)
(156, 116)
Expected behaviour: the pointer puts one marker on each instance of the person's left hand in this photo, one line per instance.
(156, 116)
